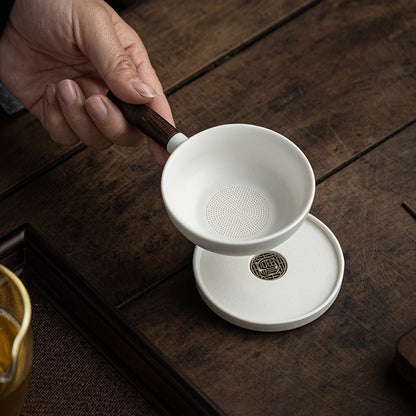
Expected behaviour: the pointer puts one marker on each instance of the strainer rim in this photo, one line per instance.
(223, 242)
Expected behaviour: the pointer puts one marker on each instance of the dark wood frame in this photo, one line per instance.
(129, 351)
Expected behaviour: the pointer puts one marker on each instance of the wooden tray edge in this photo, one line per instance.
(26, 253)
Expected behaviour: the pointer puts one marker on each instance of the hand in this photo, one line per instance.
(59, 58)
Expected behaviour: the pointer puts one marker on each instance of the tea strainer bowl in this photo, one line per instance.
(234, 189)
(242, 195)
(237, 189)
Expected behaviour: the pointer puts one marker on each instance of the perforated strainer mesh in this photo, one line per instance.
(237, 212)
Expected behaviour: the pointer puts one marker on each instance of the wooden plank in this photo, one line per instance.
(75, 210)
(181, 38)
(195, 35)
(341, 363)
(335, 80)
(25, 149)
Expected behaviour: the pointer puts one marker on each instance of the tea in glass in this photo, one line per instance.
(15, 343)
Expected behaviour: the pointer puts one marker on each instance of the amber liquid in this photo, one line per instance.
(12, 395)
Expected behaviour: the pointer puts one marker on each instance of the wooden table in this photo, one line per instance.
(336, 77)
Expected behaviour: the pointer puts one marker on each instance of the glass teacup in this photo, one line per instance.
(15, 343)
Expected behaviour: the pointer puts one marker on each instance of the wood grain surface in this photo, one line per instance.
(118, 190)
(335, 80)
(336, 77)
(343, 362)
(75, 210)
(25, 150)
(197, 35)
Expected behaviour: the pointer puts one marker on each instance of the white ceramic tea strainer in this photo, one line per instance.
(242, 194)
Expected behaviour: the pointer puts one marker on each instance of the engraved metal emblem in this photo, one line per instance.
(268, 266)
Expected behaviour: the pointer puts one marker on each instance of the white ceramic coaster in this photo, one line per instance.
(284, 288)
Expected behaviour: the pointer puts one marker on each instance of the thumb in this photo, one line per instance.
(101, 44)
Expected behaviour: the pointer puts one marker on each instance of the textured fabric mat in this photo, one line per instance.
(69, 377)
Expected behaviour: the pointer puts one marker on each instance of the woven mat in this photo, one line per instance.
(71, 378)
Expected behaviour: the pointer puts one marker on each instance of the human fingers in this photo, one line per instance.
(111, 123)
(98, 39)
(54, 120)
(71, 101)
(120, 57)
(91, 85)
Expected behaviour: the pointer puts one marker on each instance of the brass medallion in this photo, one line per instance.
(268, 266)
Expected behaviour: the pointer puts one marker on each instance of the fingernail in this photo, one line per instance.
(143, 89)
(67, 91)
(50, 94)
(96, 108)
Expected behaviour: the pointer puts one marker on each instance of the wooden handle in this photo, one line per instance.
(146, 119)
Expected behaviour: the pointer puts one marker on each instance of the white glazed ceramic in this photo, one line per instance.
(234, 189)
(310, 285)
(237, 189)
(239, 192)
